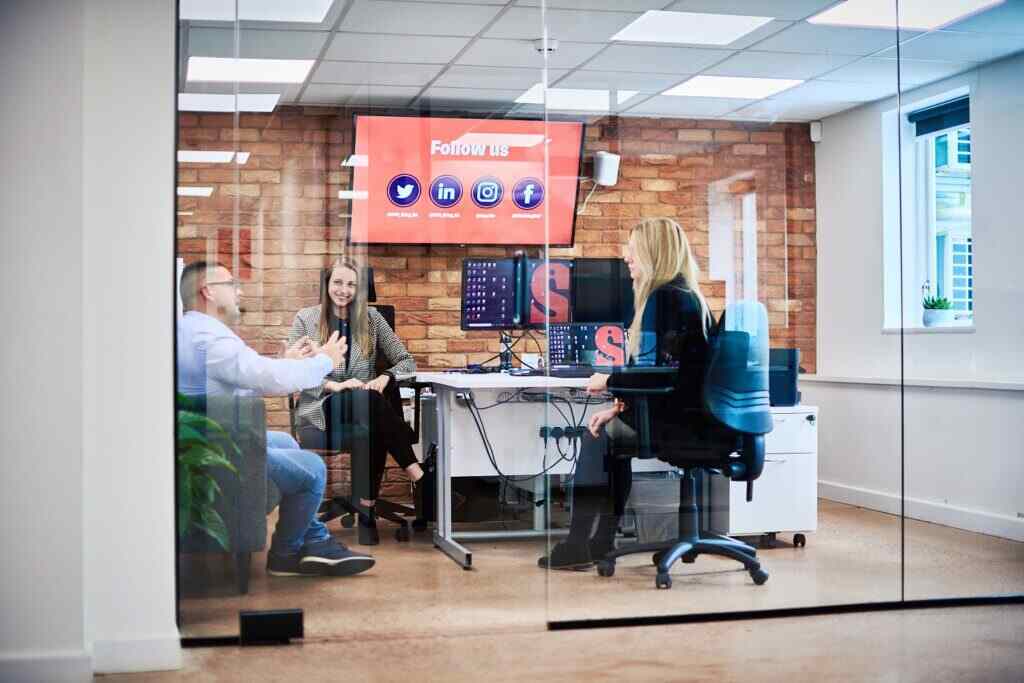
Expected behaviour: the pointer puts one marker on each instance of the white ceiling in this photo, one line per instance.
(478, 55)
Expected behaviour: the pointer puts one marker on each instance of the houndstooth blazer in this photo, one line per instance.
(382, 339)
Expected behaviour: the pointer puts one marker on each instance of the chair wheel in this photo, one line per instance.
(656, 557)
(759, 576)
(402, 534)
(799, 540)
(663, 581)
(348, 521)
(688, 559)
(606, 568)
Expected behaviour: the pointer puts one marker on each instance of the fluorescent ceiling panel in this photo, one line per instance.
(188, 101)
(913, 14)
(655, 26)
(223, 70)
(731, 87)
(306, 11)
(241, 158)
(194, 191)
(573, 99)
(204, 157)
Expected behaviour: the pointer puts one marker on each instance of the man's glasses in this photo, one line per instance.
(237, 284)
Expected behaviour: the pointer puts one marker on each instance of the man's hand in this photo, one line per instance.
(379, 383)
(334, 348)
(600, 419)
(344, 386)
(598, 383)
(302, 348)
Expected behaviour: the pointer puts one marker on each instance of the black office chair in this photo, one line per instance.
(728, 439)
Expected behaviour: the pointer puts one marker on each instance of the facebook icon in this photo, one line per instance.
(445, 191)
(528, 194)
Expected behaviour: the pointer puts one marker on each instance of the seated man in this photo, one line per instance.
(214, 360)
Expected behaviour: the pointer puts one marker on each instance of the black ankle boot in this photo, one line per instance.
(567, 555)
(368, 528)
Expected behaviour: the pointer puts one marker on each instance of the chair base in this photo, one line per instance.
(688, 545)
(393, 512)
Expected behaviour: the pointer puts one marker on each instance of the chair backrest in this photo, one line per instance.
(736, 381)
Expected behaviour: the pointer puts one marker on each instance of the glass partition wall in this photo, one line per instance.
(473, 195)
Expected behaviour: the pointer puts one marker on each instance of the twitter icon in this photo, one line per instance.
(403, 190)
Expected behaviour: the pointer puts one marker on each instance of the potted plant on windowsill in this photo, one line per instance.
(937, 311)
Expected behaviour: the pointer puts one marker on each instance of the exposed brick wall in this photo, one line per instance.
(277, 220)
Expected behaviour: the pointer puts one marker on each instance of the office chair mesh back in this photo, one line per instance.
(736, 383)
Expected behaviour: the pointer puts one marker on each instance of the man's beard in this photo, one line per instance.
(232, 315)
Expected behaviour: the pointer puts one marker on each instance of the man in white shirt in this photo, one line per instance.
(213, 360)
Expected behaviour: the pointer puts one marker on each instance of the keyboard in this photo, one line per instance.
(571, 371)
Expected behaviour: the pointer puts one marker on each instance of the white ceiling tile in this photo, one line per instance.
(287, 91)
(955, 46)
(661, 105)
(911, 71)
(417, 18)
(758, 64)
(525, 23)
(492, 52)
(757, 35)
(772, 110)
(328, 93)
(656, 58)
(619, 80)
(790, 10)
(817, 39)
(358, 95)
(494, 78)
(1005, 18)
(366, 47)
(256, 44)
(822, 91)
(609, 5)
(380, 73)
(472, 99)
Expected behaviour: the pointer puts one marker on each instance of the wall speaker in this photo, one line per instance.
(815, 131)
(606, 168)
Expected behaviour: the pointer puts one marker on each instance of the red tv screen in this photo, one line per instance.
(423, 180)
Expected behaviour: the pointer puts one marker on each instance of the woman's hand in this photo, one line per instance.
(598, 383)
(302, 348)
(600, 419)
(335, 387)
(379, 383)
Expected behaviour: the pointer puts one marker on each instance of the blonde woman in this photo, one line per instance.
(349, 410)
(668, 303)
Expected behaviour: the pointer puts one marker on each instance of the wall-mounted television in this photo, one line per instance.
(431, 180)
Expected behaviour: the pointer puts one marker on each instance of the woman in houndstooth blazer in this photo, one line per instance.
(348, 411)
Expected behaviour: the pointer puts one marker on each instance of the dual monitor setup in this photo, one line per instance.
(583, 304)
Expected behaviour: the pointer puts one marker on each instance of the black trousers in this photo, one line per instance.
(601, 486)
(367, 425)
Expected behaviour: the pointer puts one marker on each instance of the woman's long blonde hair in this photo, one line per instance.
(662, 254)
(358, 317)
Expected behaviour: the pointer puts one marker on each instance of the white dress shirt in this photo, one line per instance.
(214, 360)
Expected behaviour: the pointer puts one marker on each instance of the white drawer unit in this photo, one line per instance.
(786, 493)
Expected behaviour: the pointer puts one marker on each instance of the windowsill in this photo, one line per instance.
(945, 329)
(916, 382)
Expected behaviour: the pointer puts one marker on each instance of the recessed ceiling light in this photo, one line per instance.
(730, 86)
(572, 99)
(204, 157)
(912, 15)
(231, 70)
(655, 26)
(241, 158)
(194, 191)
(307, 11)
(352, 194)
(355, 160)
(188, 101)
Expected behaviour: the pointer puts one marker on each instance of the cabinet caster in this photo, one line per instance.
(799, 540)
(663, 581)
(606, 568)
(402, 534)
(759, 576)
(348, 521)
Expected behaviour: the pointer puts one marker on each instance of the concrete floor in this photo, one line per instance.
(415, 591)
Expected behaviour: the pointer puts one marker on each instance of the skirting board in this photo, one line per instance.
(137, 654)
(46, 666)
(978, 521)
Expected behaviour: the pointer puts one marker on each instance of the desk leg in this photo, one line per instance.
(443, 537)
(540, 512)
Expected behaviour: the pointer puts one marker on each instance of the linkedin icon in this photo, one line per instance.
(445, 191)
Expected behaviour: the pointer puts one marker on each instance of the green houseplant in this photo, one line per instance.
(938, 310)
(201, 447)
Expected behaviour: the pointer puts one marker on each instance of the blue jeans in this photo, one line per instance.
(301, 477)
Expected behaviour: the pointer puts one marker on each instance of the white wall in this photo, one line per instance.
(87, 489)
(41, 576)
(963, 464)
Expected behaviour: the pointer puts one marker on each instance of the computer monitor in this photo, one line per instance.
(602, 291)
(489, 299)
(590, 344)
(549, 295)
